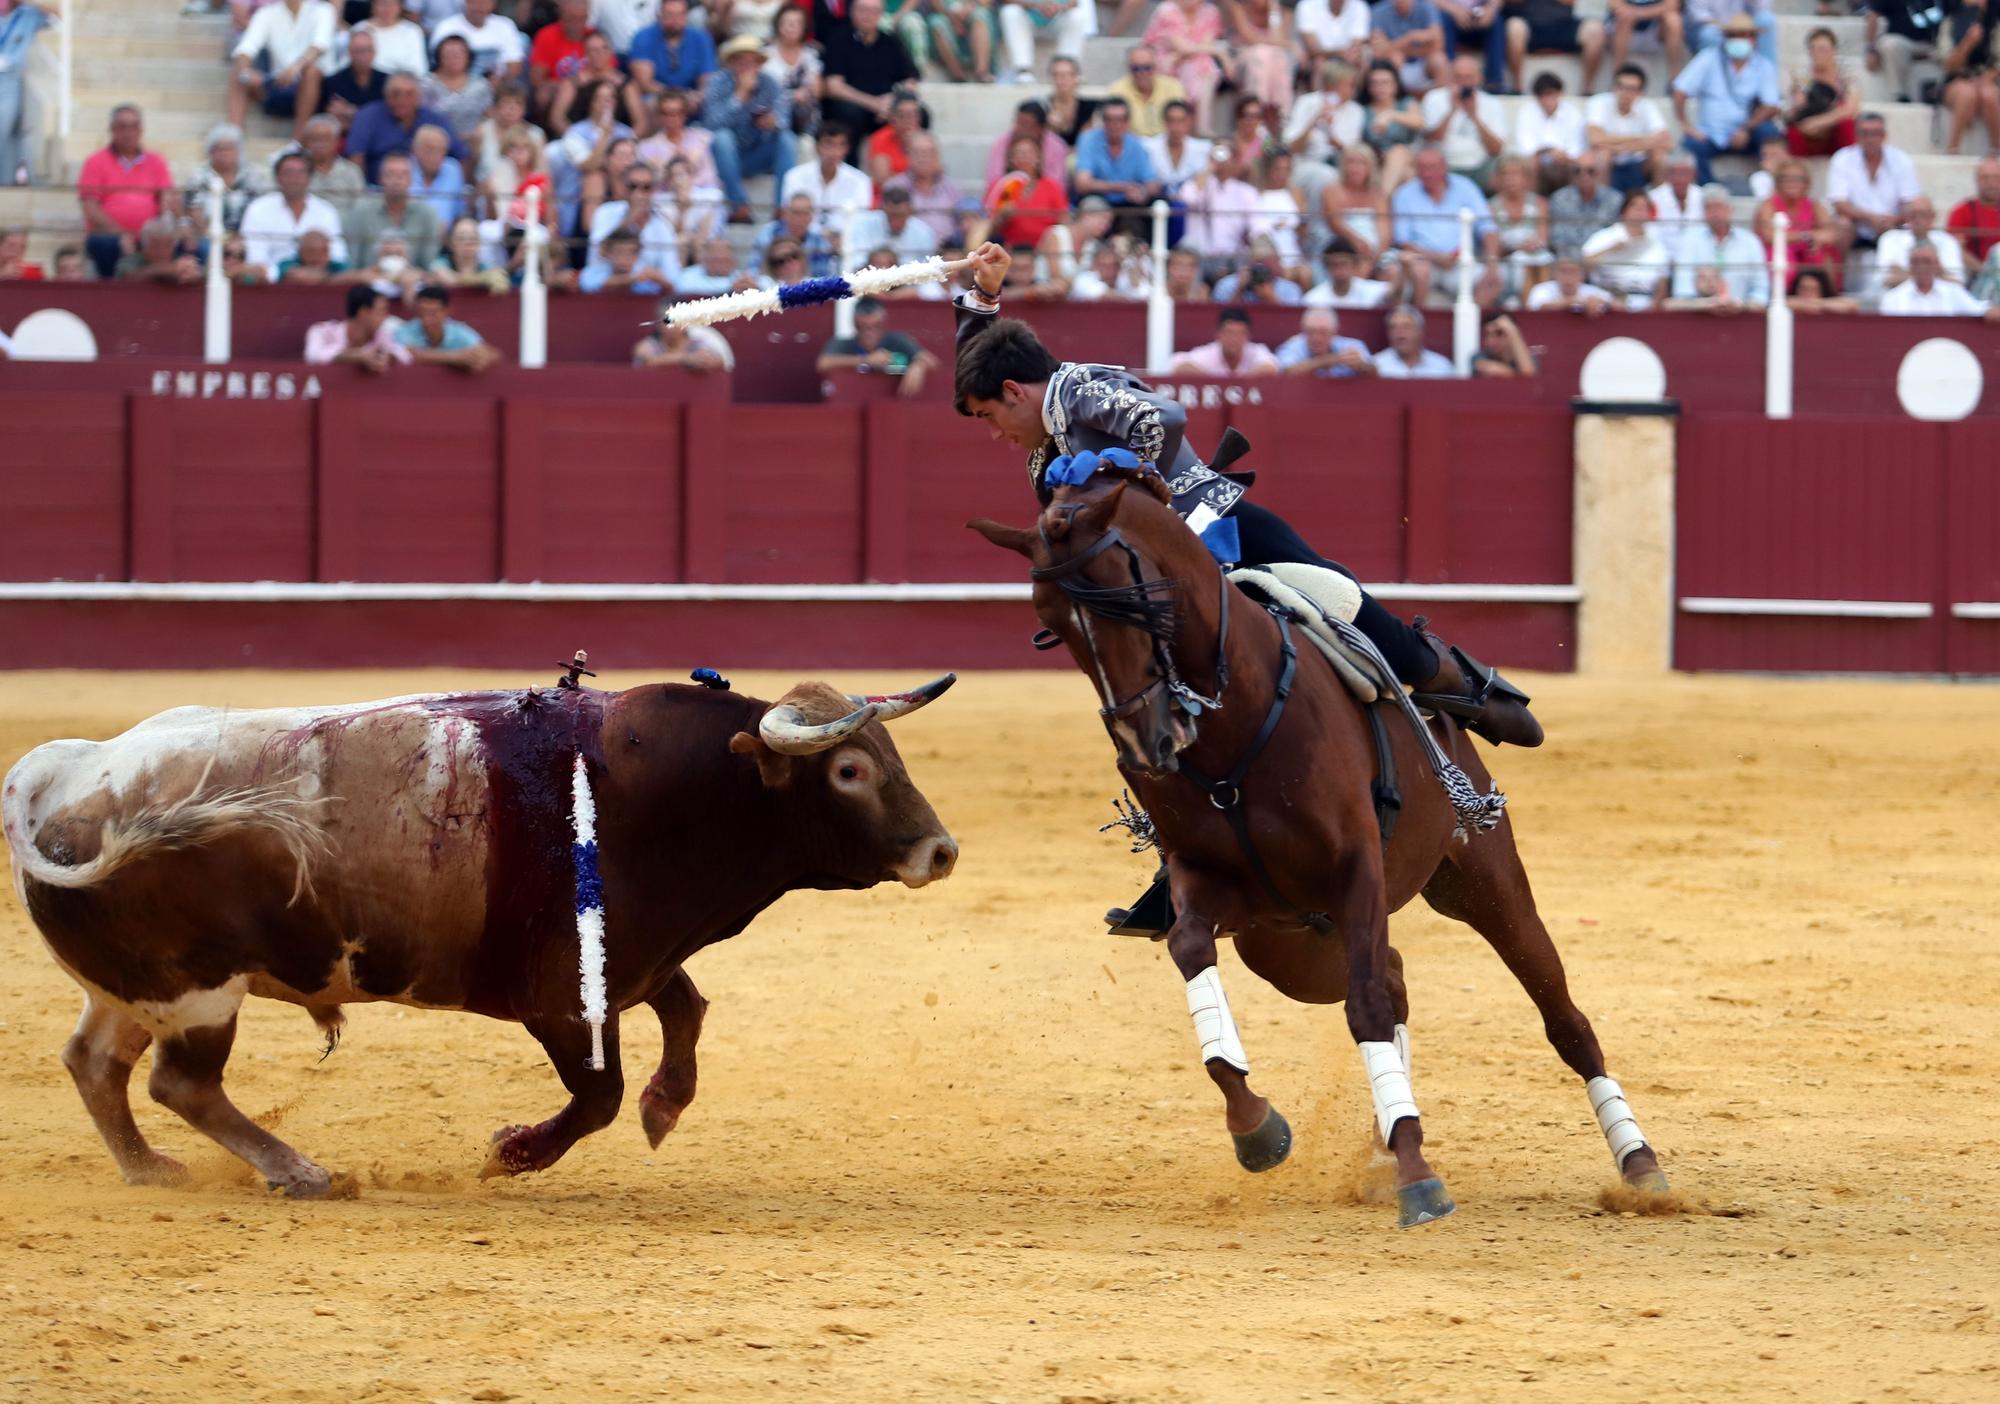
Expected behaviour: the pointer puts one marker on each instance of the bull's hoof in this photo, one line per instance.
(658, 1118)
(155, 1170)
(309, 1181)
(509, 1154)
(1422, 1202)
(1267, 1146)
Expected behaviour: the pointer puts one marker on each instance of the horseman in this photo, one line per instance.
(1008, 378)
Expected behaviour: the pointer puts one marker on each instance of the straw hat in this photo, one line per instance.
(741, 44)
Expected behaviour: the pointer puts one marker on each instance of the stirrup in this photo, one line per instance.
(1485, 692)
(1151, 916)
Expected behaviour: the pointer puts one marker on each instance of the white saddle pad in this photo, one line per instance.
(1315, 594)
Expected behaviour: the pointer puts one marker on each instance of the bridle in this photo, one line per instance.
(1150, 605)
(1147, 605)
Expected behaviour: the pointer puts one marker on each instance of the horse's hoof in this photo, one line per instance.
(1267, 1146)
(1652, 1182)
(1421, 1202)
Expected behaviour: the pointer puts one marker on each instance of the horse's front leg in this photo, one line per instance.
(1376, 1006)
(1263, 1137)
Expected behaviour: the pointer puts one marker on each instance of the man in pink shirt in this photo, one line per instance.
(365, 339)
(122, 187)
(1231, 353)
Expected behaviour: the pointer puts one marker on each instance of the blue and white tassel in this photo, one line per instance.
(589, 909)
(862, 282)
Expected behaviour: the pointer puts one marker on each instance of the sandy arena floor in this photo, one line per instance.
(955, 1144)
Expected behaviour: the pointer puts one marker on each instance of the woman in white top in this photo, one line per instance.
(1279, 217)
(1356, 210)
(730, 18)
(399, 43)
(796, 65)
(1625, 258)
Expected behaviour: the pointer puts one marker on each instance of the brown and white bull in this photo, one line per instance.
(418, 851)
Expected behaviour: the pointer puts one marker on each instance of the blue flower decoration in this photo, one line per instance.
(1075, 469)
(1224, 541)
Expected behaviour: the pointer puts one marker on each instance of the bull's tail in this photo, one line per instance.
(199, 817)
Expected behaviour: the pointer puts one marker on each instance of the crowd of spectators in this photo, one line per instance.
(1321, 155)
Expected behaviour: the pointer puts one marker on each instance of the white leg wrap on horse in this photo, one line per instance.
(1389, 1081)
(1403, 1049)
(1614, 1115)
(1214, 1026)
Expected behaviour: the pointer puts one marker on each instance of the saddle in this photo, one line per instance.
(1313, 595)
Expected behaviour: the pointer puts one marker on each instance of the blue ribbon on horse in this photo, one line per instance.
(1075, 469)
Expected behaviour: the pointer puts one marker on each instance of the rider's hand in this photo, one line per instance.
(990, 262)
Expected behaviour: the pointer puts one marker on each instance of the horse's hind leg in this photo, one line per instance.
(100, 1056)
(1263, 1137)
(1483, 884)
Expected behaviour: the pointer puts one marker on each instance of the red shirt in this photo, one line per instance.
(555, 53)
(128, 190)
(886, 144)
(1981, 222)
(1033, 209)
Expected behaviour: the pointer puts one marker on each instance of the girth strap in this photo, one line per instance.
(1227, 794)
(1388, 798)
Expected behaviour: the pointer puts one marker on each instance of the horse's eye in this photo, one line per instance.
(848, 772)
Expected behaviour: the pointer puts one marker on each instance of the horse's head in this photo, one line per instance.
(1106, 559)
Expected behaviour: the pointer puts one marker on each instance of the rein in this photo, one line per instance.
(1137, 606)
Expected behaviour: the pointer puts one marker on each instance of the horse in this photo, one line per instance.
(1257, 767)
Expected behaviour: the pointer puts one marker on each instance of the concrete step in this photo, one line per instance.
(149, 22)
(202, 78)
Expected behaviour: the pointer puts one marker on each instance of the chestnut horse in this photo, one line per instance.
(1285, 855)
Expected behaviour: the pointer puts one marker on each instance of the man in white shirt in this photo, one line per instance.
(829, 182)
(1567, 292)
(1406, 357)
(1871, 181)
(1627, 127)
(1334, 29)
(1676, 204)
(1342, 288)
(1736, 254)
(1549, 132)
(1178, 155)
(272, 223)
(895, 226)
(1465, 121)
(1925, 294)
(277, 61)
(498, 49)
(621, 20)
(638, 214)
(1892, 254)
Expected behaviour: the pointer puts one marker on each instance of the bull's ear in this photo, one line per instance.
(1013, 539)
(775, 767)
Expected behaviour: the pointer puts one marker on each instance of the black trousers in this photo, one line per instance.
(1267, 537)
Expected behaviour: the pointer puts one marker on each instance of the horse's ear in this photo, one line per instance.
(1013, 539)
(1096, 516)
(1157, 485)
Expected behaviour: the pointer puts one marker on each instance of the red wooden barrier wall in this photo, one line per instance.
(1859, 510)
(449, 479)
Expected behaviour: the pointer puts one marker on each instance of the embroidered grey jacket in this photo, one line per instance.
(1099, 407)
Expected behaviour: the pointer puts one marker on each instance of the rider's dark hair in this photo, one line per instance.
(1007, 350)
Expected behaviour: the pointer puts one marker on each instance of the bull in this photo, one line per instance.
(418, 851)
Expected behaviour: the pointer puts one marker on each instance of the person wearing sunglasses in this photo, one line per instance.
(1147, 91)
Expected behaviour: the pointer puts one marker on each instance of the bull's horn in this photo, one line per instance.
(785, 729)
(900, 704)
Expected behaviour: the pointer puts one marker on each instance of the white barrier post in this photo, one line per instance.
(843, 310)
(1778, 329)
(534, 292)
(1160, 303)
(1464, 311)
(215, 295)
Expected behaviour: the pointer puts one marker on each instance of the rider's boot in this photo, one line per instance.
(1480, 699)
(1152, 915)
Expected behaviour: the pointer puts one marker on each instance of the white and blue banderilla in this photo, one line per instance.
(862, 282)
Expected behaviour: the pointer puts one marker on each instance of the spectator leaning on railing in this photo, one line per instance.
(363, 339)
(1318, 349)
(434, 338)
(701, 350)
(874, 349)
(122, 187)
(1232, 353)
(1406, 357)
